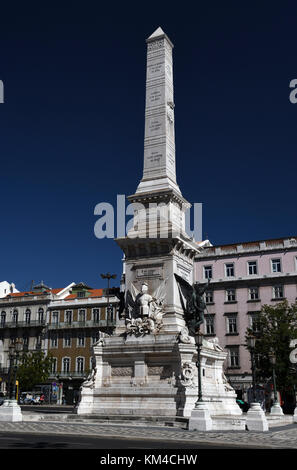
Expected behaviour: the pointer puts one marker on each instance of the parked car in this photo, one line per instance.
(29, 398)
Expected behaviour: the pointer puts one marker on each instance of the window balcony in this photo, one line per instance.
(69, 375)
(22, 324)
(81, 324)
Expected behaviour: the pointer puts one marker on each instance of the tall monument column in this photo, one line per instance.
(159, 171)
(157, 246)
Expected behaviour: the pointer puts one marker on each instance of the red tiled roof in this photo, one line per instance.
(93, 292)
(22, 294)
(56, 291)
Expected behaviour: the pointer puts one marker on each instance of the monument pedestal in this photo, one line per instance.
(200, 419)
(276, 410)
(10, 411)
(256, 419)
(156, 375)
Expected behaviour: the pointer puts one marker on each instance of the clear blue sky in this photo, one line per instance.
(72, 125)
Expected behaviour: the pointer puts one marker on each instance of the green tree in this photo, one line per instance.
(34, 368)
(275, 328)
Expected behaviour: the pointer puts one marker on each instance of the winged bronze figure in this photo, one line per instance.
(192, 301)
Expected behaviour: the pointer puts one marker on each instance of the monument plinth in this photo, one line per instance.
(148, 367)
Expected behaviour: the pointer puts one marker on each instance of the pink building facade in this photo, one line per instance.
(243, 277)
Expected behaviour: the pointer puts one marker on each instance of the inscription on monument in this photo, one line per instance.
(149, 272)
(154, 97)
(170, 159)
(168, 70)
(155, 125)
(155, 69)
(153, 159)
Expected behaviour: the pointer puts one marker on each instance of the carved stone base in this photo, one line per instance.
(10, 411)
(276, 410)
(256, 419)
(157, 376)
(200, 419)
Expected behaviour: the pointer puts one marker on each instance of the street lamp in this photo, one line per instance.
(272, 358)
(14, 351)
(108, 276)
(198, 341)
(251, 341)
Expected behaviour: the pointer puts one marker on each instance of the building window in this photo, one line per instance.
(255, 322)
(233, 356)
(209, 296)
(253, 293)
(209, 325)
(229, 269)
(38, 342)
(54, 340)
(54, 365)
(276, 265)
(66, 364)
(15, 316)
(68, 317)
(207, 270)
(81, 339)
(230, 295)
(82, 316)
(55, 318)
(110, 313)
(278, 292)
(252, 267)
(67, 339)
(12, 339)
(96, 315)
(95, 337)
(3, 318)
(28, 316)
(232, 324)
(81, 294)
(80, 364)
(25, 343)
(40, 315)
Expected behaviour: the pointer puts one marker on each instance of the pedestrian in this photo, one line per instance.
(41, 400)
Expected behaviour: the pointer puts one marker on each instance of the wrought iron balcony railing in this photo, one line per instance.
(68, 374)
(81, 324)
(22, 324)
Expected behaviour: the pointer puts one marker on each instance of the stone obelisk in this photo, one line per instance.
(157, 246)
(159, 172)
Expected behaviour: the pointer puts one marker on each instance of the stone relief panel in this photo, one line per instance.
(161, 373)
(122, 371)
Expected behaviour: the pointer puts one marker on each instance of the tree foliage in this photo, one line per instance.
(276, 327)
(34, 368)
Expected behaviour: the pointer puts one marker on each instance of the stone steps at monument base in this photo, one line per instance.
(161, 421)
